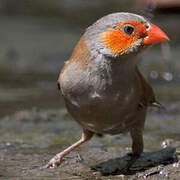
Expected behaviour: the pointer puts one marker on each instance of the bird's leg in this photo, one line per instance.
(137, 145)
(57, 159)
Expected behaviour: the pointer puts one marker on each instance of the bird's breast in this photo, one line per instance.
(97, 100)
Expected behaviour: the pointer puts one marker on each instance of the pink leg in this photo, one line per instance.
(57, 159)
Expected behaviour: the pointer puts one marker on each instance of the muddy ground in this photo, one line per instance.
(30, 138)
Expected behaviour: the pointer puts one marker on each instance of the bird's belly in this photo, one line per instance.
(110, 113)
(101, 102)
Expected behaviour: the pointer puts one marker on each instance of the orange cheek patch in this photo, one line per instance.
(117, 41)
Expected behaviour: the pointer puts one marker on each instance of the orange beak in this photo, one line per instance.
(155, 35)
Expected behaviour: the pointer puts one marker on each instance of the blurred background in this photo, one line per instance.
(37, 37)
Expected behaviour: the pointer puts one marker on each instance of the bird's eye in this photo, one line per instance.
(147, 27)
(128, 29)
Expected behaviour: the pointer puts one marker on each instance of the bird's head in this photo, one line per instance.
(121, 34)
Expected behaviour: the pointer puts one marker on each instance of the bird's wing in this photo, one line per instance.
(79, 56)
(147, 95)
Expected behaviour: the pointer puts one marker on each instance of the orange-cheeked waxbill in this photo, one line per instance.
(102, 86)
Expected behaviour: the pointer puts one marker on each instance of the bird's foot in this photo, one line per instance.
(132, 160)
(54, 162)
(127, 169)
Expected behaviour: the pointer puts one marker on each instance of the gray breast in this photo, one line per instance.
(96, 99)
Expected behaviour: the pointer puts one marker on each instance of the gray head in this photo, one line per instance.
(119, 34)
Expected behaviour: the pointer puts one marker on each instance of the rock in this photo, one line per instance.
(146, 160)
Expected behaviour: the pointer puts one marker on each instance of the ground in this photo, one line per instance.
(29, 139)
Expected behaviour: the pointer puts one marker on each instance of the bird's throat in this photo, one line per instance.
(121, 68)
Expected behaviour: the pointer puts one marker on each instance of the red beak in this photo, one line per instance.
(155, 35)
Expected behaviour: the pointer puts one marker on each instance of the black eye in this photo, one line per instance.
(128, 29)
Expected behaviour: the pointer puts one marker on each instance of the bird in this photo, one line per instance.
(102, 87)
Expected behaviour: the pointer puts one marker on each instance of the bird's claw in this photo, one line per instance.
(54, 162)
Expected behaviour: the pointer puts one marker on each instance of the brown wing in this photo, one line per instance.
(147, 96)
(80, 55)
